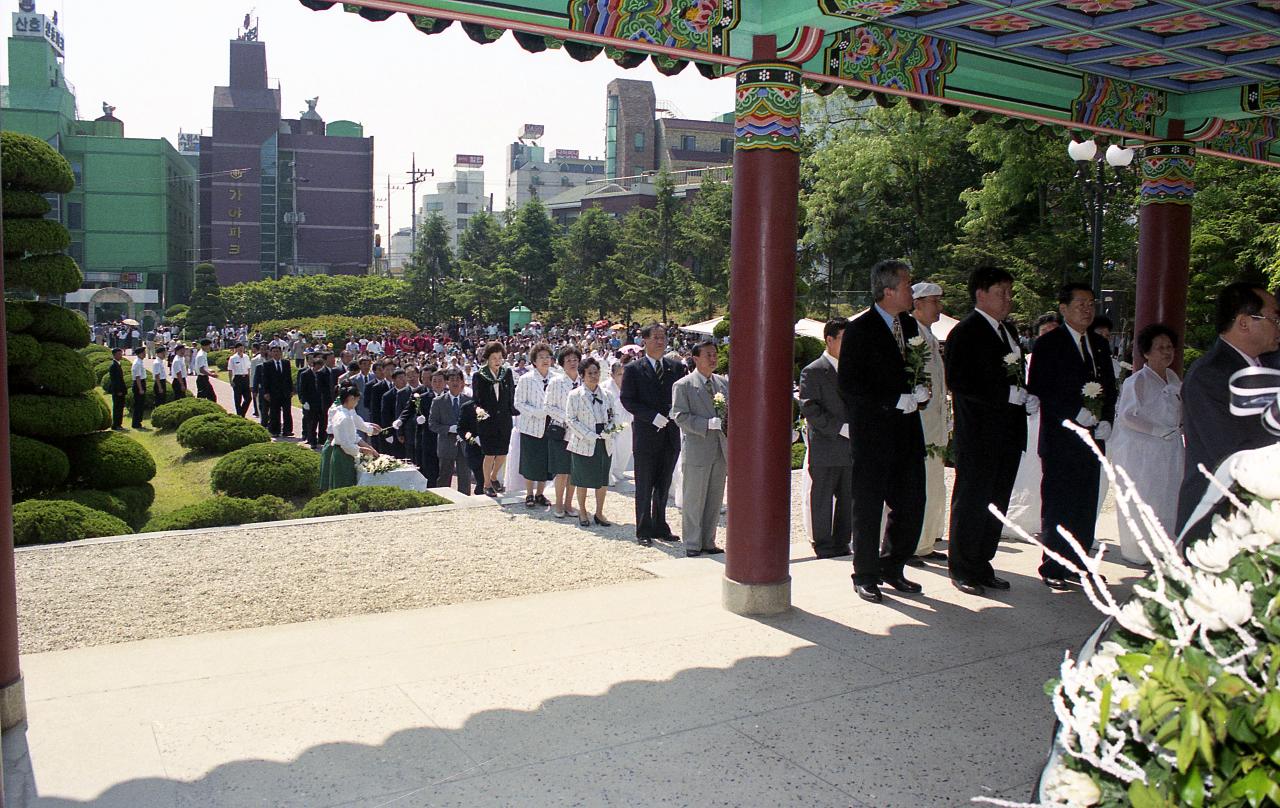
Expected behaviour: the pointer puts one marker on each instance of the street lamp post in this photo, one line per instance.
(1097, 191)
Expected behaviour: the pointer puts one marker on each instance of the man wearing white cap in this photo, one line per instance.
(933, 416)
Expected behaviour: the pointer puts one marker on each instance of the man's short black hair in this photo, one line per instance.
(452, 373)
(835, 328)
(1044, 319)
(237, 345)
(115, 351)
(204, 343)
(1069, 290)
(983, 278)
(706, 343)
(397, 372)
(317, 359)
(1237, 298)
(647, 331)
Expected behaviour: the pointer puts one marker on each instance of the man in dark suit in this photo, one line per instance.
(1065, 360)
(393, 402)
(646, 394)
(447, 422)
(118, 389)
(831, 498)
(373, 392)
(414, 417)
(1248, 324)
(277, 387)
(311, 398)
(886, 436)
(991, 405)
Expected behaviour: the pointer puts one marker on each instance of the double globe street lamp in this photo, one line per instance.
(1097, 190)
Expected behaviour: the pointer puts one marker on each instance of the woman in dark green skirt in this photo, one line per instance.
(592, 415)
(533, 421)
(339, 456)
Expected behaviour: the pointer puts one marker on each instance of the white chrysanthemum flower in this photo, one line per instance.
(916, 342)
(1091, 390)
(1134, 618)
(1072, 787)
(1217, 603)
(1266, 519)
(1011, 358)
(1216, 554)
(1257, 541)
(1258, 471)
(1234, 526)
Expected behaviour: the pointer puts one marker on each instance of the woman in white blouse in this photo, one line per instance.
(622, 440)
(532, 423)
(557, 403)
(338, 458)
(1147, 442)
(592, 413)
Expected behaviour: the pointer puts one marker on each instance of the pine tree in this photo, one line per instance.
(431, 265)
(206, 302)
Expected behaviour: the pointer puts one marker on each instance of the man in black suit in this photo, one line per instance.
(374, 390)
(1248, 324)
(311, 397)
(393, 402)
(886, 436)
(415, 417)
(646, 394)
(1065, 360)
(991, 406)
(277, 387)
(831, 498)
(118, 389)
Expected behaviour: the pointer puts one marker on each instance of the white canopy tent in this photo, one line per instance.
(706, 327)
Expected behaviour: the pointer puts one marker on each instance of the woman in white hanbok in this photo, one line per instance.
(622, 440)
(1147, 442)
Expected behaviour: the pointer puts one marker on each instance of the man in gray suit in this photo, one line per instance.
(830, 460)
(706, 450)
(446, 420)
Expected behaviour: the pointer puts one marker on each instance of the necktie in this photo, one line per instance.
(897, 336)
(457, 409)
(1088, 357)
(1008, 338)
(277, 366)
(657, 367)
(711, 390)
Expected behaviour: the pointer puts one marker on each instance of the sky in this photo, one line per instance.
(157, 62)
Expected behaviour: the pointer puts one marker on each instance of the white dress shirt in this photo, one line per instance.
(160, 370)
(239, 365)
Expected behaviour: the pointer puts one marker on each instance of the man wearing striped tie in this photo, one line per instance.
(646, 394)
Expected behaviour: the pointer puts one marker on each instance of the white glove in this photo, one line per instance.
(907, 403)
(660, 420)
(421, 419)
(844, 431)
(396, 423)
(391, 439)
(1085, 418)
(1103, 431)
(713, 424)
(922, 394)
(306, 406)
(1017, 396)
(453, 430)
(1033, 404)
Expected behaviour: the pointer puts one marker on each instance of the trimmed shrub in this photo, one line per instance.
(206, 302)
(23, 350)
(98, 500)
(17, 315)
(30, 164)
(283, 469)
(58, 324)
(171, 415)
(797, 456)
(368, 498)
(176, 309)
(110, 460)
(805, 350)
(221, 512)
(219, 433)
(336, 326)
(42, 416)
(148, 401)
(24, 204)
(137, 500)
(34, 236)
(92, 350)
(219, 358)
(42, 521)
(35, 465)
(44, 274)
(721, 329)
(60, 371)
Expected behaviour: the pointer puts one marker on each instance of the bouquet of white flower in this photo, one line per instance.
(381, 464)
(1015, 369)
(917, 359)
(482, 414)
(1092, 392)
(721, 405)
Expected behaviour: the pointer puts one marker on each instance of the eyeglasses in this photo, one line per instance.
(1273, 320)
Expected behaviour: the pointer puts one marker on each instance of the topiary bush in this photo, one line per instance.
(35, 236)
(219, 433)
(55, 323)
(26, 204)
(368, 498)
(148, 400)
(22, 350)
(176, 309)
(43, 416)
(35, 465)
(89, 351)
(206, 302)
(29, 164)
(137, 500)
(805, 350)
(44, 274)
(17, 315)
(109, 460)
(797, 456)
(219, 358)
(59, 371)
(221, 512)
(98, 500)
(41, 521)
(721, 329)
(335, 326)
(173, 414)
(283, 469)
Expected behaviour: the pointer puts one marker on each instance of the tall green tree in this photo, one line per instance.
(585, 286)
(647, 277)
(530, 241)
(485, 284)
(481, 242)
(704, 241)
(206, 302)
(429, 268)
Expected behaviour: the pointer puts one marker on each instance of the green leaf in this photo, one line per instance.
(1192, 791)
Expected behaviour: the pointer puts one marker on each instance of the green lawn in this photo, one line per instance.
(181, 478)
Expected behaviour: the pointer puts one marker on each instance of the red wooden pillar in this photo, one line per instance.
(13, 704)
(766, 188)
(1164, 235)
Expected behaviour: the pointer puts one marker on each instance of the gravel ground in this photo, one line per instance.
(99, 594)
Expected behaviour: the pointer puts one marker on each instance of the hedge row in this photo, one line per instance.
(222, 512)
(44, 274)
(44, 416)
(219, 358)
(98, 500)
(29, 164)
(173, 414)
(282, 469)
(41, 521)
(367, 499)
(219, 433)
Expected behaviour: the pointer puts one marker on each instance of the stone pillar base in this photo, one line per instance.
(13, 705)
(757, 599)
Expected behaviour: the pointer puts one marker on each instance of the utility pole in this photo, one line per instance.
(416, 176)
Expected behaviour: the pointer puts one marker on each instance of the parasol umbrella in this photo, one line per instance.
(631, 349)
(618, 327)
(535, 324)
(600, 324)
(130, 321)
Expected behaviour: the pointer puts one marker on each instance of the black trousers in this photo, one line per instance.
(240, 392)
(655, 455)
(139, 400)
(984, 476)
(280, 415)
(204, 389)
(895, 480)
(161, 392)
(117, 410)
(312, 431)
(177, 390)
(831, 509)
(1068, 497)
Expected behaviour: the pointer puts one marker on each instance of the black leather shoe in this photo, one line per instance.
(1071, 577)
(996, 583)
(602, 522)
(868, 592)
(903, 585)
(712, 550)
(692, 553)
(1055, 583)
(935, 555)
(914, 561)
(672, 539)
(968, 587)
(644, 541)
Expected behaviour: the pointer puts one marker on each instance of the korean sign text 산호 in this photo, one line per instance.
(37, 26)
